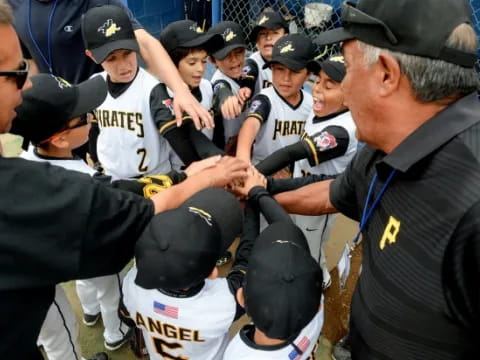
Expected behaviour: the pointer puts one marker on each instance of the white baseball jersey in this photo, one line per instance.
(265, 78)
(282, 123)
(129, 144)
(317, 228)
(69, 164)
(194, 328)
(207, 97)
(242, 346)
(334, 166)
(231, 126)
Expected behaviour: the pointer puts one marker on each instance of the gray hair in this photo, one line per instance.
(6, 17)
(433, 80)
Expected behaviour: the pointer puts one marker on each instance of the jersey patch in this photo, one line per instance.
(325, 141)
(169, 105)
(255, 105)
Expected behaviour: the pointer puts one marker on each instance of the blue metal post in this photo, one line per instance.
(217, 11)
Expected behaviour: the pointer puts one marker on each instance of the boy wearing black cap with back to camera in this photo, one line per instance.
(277, 115)
(188, 48)
(128, 143)
(233, 84)
(282, 291)
(174, 295)
(269, 27)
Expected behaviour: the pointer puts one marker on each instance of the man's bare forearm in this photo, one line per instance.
(313, 199)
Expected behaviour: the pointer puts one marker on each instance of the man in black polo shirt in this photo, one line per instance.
(415, 188)
(58, 225)
(50, 34)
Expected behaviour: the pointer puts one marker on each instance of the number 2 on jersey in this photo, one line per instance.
(162, 345)
(143, 153)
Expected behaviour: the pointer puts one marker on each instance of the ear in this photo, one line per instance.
(240, 297)
(214, 274)
(390, 75)
(60, 141)
(90, 55)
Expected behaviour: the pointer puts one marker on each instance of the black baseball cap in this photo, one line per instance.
(283, 286)
(105, 29)
(415, 27)
(294, 51)
(233, 37)
(52, 102)
(187, 34)
(179, 248)
(334, 67)
(268, 20)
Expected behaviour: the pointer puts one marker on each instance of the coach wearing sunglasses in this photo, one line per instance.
(58, 225)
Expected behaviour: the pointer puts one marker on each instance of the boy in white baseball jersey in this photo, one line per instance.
(128, 143)
(329, 120)
(269, 27)
(173, 294)
(188, 48)
(55, 117)
(282, 293)
(233, 84)
(277, 115)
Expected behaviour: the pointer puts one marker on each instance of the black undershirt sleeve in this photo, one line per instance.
(179, 140)
(221, 91)
(251, 228)
(269, 207)
(276, 186)
(250, 75)
(260, 108)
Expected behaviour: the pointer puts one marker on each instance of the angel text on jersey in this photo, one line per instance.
(288, 127)
(168, 330)
(121, 119)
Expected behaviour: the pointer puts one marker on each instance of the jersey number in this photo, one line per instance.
(162, 345)
(142, 167)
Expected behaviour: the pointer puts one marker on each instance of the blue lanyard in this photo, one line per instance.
(367, 212)
(48, 61)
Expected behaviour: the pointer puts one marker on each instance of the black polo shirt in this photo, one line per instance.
(56, 225)
(66, 44)
(419, 293)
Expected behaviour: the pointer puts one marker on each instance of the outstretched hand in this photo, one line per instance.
(254, 178)
(184, 101)
(197, 166)
(227, 170)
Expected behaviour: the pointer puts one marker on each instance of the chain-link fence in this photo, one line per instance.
(309, 17)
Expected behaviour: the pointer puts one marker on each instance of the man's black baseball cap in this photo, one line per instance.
(179, 248)
(52, 102)
(105, 29)
(233, 37)
(187, 34)
(334, 67)
(268, 20)
(283, 286)
(294, 51)
(414, 27)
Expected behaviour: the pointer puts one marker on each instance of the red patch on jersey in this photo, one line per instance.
(169, 104)
(325, 141)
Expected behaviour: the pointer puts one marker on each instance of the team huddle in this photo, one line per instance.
(260, 110)
(265, 171)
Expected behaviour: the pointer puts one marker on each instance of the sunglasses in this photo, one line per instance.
(20, 75)
(351, 15)
(84, 120)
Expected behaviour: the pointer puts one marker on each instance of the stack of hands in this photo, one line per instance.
(234, 174)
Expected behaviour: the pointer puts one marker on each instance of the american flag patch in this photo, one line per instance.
(166, 310)
(302, 346)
